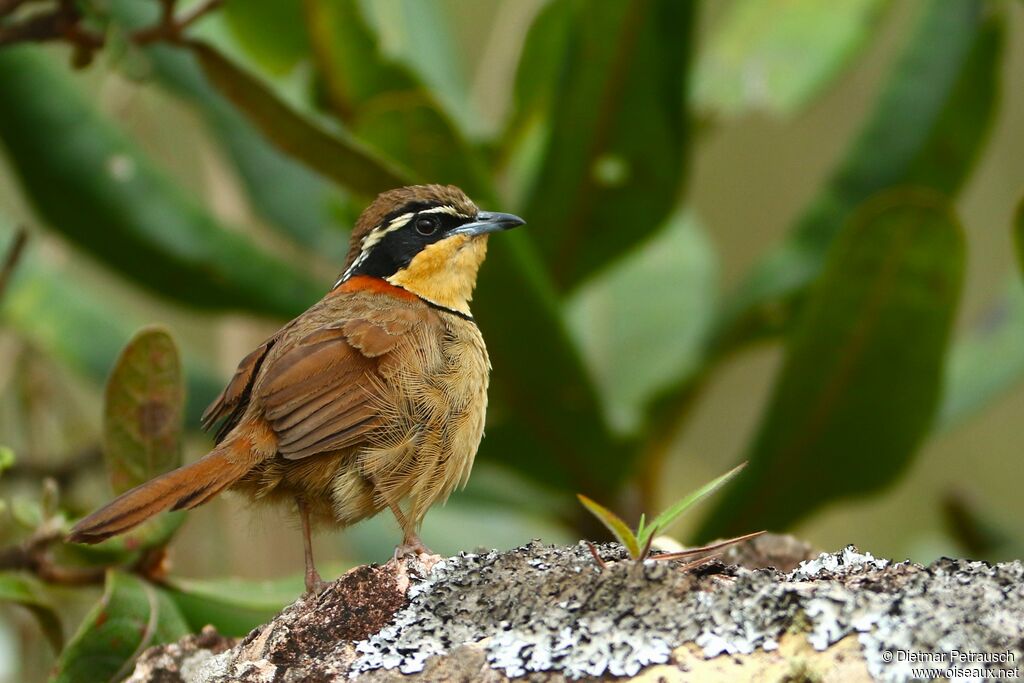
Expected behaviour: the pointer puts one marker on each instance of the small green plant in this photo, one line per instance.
(638, 543)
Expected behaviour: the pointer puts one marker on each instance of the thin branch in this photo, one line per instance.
(597, 558)
(706, 548)
(64, 473)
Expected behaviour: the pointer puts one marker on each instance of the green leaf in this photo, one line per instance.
(613, 157)
(270, 31)
(660, 298)
(291, 198)
(109, 200)
(987, 360)
(614, 523)
(132, 615)
(234, 607)
(671, 514)
(926, 129)
(861, 380)
(333, 155)
(27, 591)
(776, 55)
(422, 35)
(143, 407)
(382, 103)
(71, 320)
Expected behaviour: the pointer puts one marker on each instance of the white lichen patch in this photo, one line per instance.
(541, 611)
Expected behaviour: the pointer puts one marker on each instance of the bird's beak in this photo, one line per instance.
(487, 221)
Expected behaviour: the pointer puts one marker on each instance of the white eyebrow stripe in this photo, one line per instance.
(450, 210)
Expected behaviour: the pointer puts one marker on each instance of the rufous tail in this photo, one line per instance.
(181, 489)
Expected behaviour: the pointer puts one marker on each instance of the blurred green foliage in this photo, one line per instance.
(316, 106)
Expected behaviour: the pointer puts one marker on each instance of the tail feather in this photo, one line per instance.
(181, 489)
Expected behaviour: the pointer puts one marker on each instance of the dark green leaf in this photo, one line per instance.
(775, 55)
(559, 437)
(27, 591)
(106, 197)
(614, 523)
(423, 36)
(382, 103)
(131, 616)
(143, 407)
(613, 159)
(270, 31)
(234, 607)
(71, 320)
(672, 513)
(292, 199)
(335, 156)
(926, 129)
(862, 375)
(642, 324)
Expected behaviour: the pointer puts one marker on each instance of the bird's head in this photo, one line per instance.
(427, 239)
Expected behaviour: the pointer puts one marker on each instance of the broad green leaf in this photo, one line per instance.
(112, 202)
(293, 200)
(614, 523)
(862, 375)
(558, 435)
(333, 155)
(987, 360)
(672, 513)
(143, 407)
(926, 129)
(24, 589)
(132, 615)
(420, 34)
(71, 320)
(382, 103)
(233, 606)
(613, 158)
(776, 55)
(642, 323)
(270, 31)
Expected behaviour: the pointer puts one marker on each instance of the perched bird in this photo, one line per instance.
(373, 398)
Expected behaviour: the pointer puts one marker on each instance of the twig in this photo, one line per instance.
(64, 473)
(597, 558)
(14, 253)
(64, 23)
(706, 548)
(33, 555)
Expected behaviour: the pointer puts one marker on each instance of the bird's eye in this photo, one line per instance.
(426, 225)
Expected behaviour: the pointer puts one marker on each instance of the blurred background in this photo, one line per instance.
(780, 231)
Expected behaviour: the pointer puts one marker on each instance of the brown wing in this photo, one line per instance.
(232, 402)
(319, 395)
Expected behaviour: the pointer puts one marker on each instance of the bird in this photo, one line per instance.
(374, 397)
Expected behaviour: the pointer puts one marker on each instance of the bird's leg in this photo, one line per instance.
(314, 584)
(411, 543)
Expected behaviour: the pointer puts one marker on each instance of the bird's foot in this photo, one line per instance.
(411, 546)
(314, 584)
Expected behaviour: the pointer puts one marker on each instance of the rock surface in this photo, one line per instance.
(765, 610)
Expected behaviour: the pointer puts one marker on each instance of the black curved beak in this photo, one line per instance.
(488, 221)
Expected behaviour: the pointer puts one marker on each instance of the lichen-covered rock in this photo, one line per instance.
(551, 613)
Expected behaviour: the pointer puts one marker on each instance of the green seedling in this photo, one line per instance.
(638, 543)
